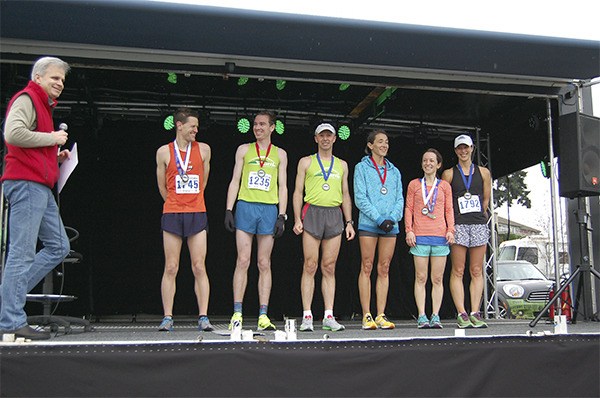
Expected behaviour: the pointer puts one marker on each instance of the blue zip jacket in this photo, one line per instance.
(374, 206)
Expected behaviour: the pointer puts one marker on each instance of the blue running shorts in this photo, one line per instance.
(430, 251)
(255, 218)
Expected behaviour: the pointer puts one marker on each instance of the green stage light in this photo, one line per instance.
(385, 95)
(344, 132)
(242, 80)
(280, 84)
(168, 123)
(243, 125)
(344, 86)
(172, 78)
(545, 166)
(279, 127)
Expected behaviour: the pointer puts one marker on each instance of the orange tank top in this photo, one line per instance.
(185, 195)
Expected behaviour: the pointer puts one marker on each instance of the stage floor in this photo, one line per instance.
(120, 357)
(145, 330)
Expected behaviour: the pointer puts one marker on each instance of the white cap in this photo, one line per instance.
(463, 139)
(324, 126)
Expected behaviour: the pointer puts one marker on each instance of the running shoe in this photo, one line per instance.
(307, 324)
(330, 323)
(463, 321)
(368, 323)
(435, 322)
(383, 322)
(166, 325)
(204, 324)
(264, 323)
(423, 322)
(477, 321)
(236, 319)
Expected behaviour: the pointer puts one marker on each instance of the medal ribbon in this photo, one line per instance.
(260, 160)
(325, 175)
(384, 176)
(462, 175)
(182, 166)
(433, 192)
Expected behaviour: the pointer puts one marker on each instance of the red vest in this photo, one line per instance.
(34, 164)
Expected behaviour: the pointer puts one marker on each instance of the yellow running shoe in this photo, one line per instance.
(383, 322)
(368, 323)
(236, 318)
(264, 323)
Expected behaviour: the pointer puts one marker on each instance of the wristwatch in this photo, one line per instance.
(350, 222)
(284, 216)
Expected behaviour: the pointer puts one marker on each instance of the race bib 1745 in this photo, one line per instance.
(192, 185)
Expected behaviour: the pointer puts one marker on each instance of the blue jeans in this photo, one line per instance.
(33, 213)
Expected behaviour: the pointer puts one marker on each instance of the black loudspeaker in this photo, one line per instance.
(579, 156)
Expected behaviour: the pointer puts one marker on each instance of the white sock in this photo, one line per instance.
(307, 314)
(328, 313)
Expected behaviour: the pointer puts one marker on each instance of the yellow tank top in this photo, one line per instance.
(319, 192)
(259, 183)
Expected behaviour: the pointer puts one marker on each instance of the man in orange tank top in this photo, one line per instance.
(182, 168)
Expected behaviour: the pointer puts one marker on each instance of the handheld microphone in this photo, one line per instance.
(62, 126)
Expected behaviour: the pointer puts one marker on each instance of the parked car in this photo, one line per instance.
(538, 250)
(522, 289)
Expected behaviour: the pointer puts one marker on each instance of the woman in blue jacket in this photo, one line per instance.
(378, 196)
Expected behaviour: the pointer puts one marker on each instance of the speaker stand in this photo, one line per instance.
(583, 270)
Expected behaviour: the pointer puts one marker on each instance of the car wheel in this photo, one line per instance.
(503, 310)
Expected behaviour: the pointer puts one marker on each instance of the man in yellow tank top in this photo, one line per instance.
(259, 185)
(323, 180)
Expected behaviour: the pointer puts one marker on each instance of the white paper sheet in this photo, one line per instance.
(67, 167)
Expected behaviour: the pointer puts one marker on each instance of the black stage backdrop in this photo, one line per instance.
(113, 201)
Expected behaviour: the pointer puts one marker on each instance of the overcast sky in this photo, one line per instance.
(572, 19)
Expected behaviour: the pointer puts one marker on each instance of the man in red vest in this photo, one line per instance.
(30, 173)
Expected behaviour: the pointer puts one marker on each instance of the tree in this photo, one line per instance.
(509, 189)
(512, 188)
(511, 236)
(544, 221)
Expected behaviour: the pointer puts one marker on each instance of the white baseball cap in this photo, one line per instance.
(324, 126)
(463, 139)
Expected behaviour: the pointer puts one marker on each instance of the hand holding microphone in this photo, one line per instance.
(60, 136)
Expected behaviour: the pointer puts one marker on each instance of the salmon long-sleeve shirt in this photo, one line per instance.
(423, 225)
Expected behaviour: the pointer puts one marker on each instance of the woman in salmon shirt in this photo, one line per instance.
(429, 224)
